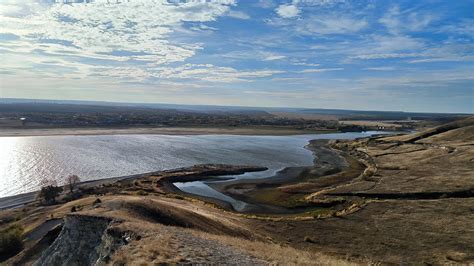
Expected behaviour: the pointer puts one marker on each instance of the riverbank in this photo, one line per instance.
(262, 130)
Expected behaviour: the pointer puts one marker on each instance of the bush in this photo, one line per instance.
(50, 193)
(11, 241)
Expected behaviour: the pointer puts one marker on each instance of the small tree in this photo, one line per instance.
(72, 181)
(49, 191)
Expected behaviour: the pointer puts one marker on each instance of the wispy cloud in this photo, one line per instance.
(318, 70)
(464, 27)
(209, 72)
(305, 64)
(398, 21)
(380, 68)
(385, 56)
(331, 25)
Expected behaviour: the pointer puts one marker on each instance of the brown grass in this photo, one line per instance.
(161, 244)
(277, 254)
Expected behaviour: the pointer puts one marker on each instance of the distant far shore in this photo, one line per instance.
(276, 131)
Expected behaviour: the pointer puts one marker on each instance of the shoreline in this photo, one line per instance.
(323, 158)
(166, 179)
(18, 200)
(270, 131)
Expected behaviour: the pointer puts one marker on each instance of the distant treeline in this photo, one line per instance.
(52, 114)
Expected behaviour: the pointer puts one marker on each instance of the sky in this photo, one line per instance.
(344, 54)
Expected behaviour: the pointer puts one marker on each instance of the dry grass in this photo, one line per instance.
(276, 254)
(155, 248)
(164, 244)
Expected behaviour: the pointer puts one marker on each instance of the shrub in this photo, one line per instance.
(50, 193)
(11, 241)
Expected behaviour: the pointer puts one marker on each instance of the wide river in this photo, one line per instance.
(25, 162)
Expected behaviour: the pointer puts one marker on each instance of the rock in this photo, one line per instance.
(79, 243)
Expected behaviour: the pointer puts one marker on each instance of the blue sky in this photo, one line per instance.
(368, 55)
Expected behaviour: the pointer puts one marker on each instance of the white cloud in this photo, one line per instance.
(287, 11)
(116, 31)
(319, 47)
(274, 57)
(238, 14)
(211, 73)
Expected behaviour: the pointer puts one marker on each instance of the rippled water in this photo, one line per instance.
(26, 161)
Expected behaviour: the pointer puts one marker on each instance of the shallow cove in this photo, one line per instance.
(205, 188)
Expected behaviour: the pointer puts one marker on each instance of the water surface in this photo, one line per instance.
(25, 162)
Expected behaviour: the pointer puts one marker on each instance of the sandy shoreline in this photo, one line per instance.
(274, 131)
